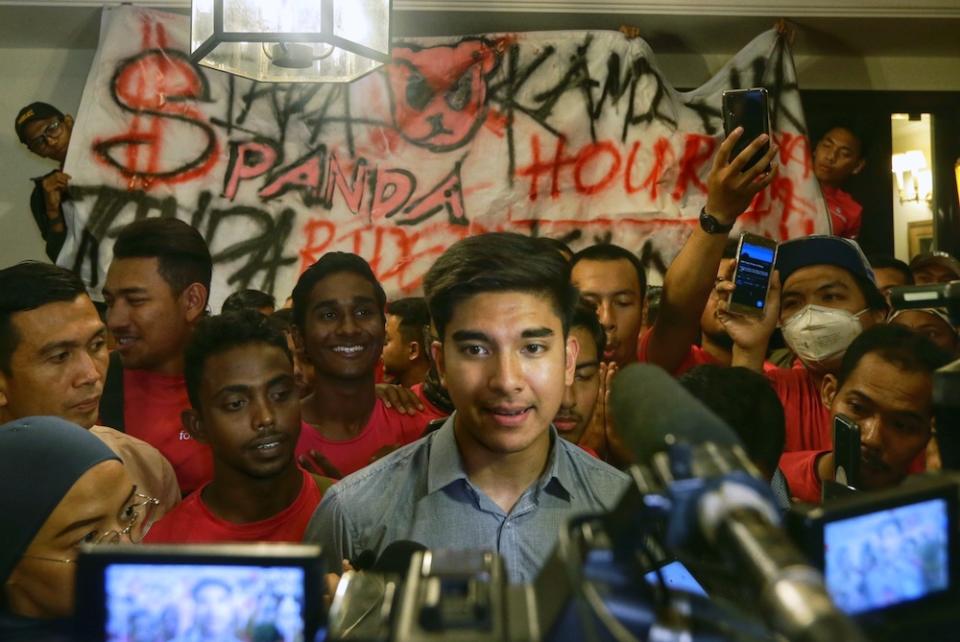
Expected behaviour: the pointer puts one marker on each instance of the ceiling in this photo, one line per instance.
(75, 25)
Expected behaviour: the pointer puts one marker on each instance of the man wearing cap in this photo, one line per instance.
(934, 267)
(828, 297)
(45, 130)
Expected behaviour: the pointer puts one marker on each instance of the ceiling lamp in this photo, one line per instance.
(291, 40)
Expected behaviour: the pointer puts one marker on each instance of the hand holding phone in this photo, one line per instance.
(747, 108)
(846, 451)
(756, 257)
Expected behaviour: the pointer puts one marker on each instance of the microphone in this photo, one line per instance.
(652, 411)
(729, 508)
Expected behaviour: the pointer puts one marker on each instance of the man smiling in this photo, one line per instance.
(495, 476)
(338, 311)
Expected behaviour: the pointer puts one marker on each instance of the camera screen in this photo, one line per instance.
(754, 266)
(161, 603)
(888, 557)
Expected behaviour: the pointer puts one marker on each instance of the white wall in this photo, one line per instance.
(55, 76)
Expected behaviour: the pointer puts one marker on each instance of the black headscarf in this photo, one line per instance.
(40, 460)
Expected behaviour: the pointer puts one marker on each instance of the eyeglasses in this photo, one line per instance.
(135, 513)
(48, 132)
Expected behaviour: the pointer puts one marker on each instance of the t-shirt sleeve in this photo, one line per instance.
(800, 470)
(330, 528)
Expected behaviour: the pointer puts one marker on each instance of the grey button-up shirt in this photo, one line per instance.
(421, 493)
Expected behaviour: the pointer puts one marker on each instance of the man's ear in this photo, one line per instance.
(414, 352)
(570, 366)
(68, 120)
(192, 423)
(828, 390)
(436, 349)
(194, 302)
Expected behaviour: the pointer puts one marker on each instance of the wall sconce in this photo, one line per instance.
(913, 175)
(291, 40)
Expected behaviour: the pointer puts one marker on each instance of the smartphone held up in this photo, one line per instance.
(747, 108)
(756, 257)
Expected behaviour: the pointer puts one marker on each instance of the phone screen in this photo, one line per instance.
(747, 109)
(754, 266)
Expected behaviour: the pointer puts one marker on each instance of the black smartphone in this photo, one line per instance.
(756, 257)
(846, 451)
(746, 108)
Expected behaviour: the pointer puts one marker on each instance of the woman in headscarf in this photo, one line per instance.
(60, 487)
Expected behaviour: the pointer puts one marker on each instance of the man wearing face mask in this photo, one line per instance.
(828, 297)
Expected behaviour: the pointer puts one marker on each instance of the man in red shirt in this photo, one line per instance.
(245, 407)
(885, 385)
(405, 360)
(338, 310)
(838, 156)
(156, 292)
(692, 285)
(828, 298)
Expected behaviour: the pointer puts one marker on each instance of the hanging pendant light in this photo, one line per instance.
(291, 40)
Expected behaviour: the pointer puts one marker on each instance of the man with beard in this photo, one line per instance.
(580, 398)
(245, 407)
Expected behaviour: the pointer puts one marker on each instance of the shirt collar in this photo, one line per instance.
(446, 466)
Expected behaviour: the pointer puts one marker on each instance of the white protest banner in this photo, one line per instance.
(571, 135)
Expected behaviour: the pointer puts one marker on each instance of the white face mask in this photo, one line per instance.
(817, 333)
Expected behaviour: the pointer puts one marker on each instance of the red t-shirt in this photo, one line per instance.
(386, 427)
(191, 522)
(429, 410)
(845, 213)
(152, 404)
(809, 432)
(696, 356)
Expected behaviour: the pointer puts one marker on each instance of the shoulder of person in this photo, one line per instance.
(592, 466)
(390, 471)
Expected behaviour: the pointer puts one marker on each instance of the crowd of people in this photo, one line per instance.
(474, 417)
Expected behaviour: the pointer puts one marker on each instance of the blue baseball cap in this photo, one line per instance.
(823, 250)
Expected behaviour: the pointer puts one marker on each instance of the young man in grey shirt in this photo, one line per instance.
(495, 476)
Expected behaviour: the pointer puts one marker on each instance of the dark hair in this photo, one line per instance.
(498, 262)
(27, 286)
(557, 245)
(248, 300)
(884, 262)
(894, 344)
(610, 252)
(585, 316)
(857, 130)
(746, 401)
(182, 255)
(413, 314)
(871, 293)
(332, 263)
(283, 319)
(217, 334)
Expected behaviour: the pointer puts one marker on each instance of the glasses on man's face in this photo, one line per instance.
(50, 131)
(137, 512)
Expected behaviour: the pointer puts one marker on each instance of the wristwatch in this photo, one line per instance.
(711, 225)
